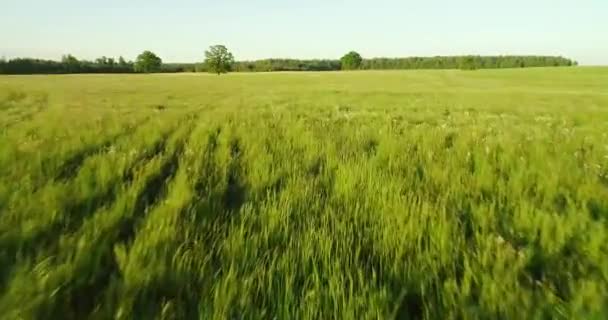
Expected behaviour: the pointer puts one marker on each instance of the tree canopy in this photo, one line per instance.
(351, 61)
(218, 59)
(467, 63)
(148, 62)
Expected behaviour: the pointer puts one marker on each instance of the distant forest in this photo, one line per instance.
(70, 64)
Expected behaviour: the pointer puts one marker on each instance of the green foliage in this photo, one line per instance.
(365, 195)
(478, 62)
(468, 63)
(351, 61)
(269, 65)
(68, 64)
(218, 59)
(122, 61)
(471, 62)
(147, 62)
(177, 67)
(72, 65)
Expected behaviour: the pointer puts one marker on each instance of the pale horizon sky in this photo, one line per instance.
(180, 31)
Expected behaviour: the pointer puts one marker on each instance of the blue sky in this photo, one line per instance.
(180, 31)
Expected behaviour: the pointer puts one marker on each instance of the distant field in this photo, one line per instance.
(359, 195)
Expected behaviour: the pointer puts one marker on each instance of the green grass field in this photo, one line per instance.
(355, 195)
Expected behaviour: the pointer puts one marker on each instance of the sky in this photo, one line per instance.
(181, 30)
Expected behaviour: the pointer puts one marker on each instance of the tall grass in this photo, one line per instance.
(406, 195)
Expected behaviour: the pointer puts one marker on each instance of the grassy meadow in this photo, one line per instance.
(338, 195)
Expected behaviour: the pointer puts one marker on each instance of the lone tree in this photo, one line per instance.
(218, 59)
(351, 61)
(147, 62)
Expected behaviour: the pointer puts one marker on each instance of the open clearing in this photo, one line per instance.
(410, 194)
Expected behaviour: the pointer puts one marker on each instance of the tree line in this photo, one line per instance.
(466, 62)
(218, 59)
(353, 61)
(70, 64)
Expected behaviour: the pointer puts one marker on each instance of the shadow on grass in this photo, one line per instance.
(69, 168)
